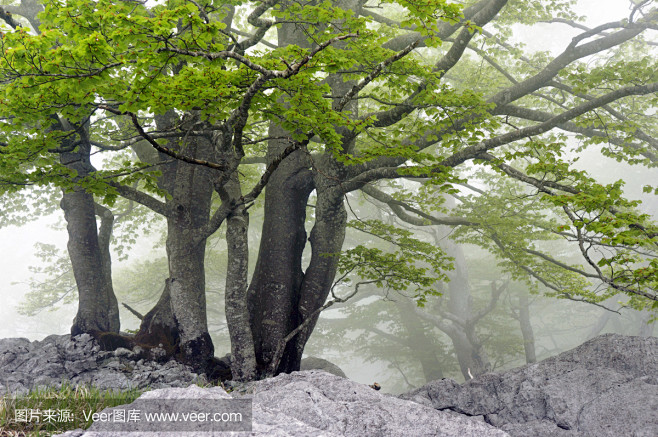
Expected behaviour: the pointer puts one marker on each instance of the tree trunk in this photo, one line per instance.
(281, 295)
(104, 239)
(98, 309)
(179, 320)
(420, 344)
(190, 209)
(327, 237)
(243, 355)
(526, 329)
(276, 284)
(158, 327)
(472, 357)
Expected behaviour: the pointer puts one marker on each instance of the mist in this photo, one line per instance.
(381, 334)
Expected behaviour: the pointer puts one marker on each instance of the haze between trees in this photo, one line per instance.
(325, 99)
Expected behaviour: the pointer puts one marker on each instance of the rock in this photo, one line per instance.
(309, 363)
(315, 363)
(123, 352)
(158, 353)
(608, 386)
(316, 403)
(80, 360)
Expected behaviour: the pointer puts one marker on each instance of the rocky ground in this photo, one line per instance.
(80, 360)
(311, 403)
(605, 387)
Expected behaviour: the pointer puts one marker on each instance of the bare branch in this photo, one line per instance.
(426, 218)
(159, 147)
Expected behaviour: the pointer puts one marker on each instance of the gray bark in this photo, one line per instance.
(104, 238)
(282, 295)
(243, 355)
(472, 357)
(190, 209)
(98, 309)
(178, 321)
(275, 286)
(327, 237)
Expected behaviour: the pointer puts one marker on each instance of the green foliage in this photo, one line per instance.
(414, 266)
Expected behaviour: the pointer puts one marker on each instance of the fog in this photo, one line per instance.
(558, 324)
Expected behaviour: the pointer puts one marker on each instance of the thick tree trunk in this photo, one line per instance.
(97, 305)
(179, 320)
(187, 289)
(190, 209)
(276, 284)
(472, 357)
(158, 327)
(326, 238)
(281, 296)
(104, 239)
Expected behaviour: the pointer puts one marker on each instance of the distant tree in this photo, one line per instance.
(331, 97)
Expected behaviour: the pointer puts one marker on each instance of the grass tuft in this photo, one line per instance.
(52, 410)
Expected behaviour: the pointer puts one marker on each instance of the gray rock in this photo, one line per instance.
(608, 386)
(79, 360)
(316, 403)
(123, 352)
(343, 407)
(308, 363)
(315, 363)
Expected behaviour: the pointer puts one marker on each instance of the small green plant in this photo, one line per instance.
(48, 411)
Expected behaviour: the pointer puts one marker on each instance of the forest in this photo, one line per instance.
(416, 185)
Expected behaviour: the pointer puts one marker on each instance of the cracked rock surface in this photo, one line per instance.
(608, 386)
(79, 360)
(316, 403)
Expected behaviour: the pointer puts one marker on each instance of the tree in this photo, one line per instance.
(334, 97)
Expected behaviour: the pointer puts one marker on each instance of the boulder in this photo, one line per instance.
(316, 403)
(308, 363)
(315, 363)
(79, 360)
(608, 386)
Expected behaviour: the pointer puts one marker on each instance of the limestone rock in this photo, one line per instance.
(79, 360)
(608, 386)
(316, 403)
(315, 363)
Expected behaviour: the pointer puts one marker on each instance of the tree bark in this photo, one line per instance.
(472, 357)
(98, 309)
(276, 283)
(326, 238)
(179, 319)
(243, 355)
